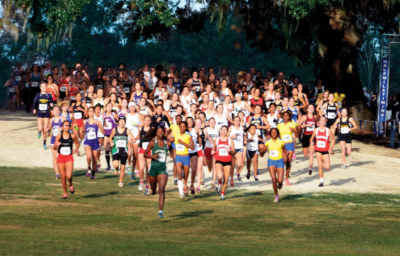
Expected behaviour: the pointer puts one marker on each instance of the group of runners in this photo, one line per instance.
(201, 120)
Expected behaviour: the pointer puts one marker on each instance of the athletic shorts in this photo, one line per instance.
(239, 150)
(277, 163)
(79, 122)
(207, 153)
(120, 157)
(62, 159)
(250, 154)
(223, 163)
(193, 154)
(200, 153)
(322, 152)
(142, 151)
(94, 144)
(330, 122)
(345, 137)
(185, 160)
(11, 95)
(289, 146)
(154, 172)
(43, 115)
(305, 141)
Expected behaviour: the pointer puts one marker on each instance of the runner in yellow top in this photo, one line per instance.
(339, 98)
(183, 141)
(174, 130)
(286, 130)
(276, 154)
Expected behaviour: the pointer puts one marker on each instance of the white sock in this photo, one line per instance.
(321, 180)
(180, 187)
(160, 211)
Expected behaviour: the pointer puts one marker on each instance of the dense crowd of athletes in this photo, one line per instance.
(198, 118)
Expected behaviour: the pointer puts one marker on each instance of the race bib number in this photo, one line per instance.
(127, 90)
(339, 104)
(78, 115)
(239, 137)
(43, 107)
(73, 97)
(18, 78)
(287, 137)
(35, 84)
(144, 145)
(91, 135)
(99, 86)
(273, 153)
(56, 131)
(310, 129)
(268, 103)
(197, 88)
(161, 157)
(12, 90)
(65, 151)
(331, 115)
(180, 147)
(252, 146)
(223, 152)
(321, 144)
(109, 125)
(344, 130)
(122, 143)
(26, 85)
(63, 89)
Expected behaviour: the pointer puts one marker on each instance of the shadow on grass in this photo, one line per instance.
(79, 173)
(101, 195)
(193, 214)
(296, 196)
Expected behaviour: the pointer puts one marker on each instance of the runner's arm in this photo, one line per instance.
(313, 137)
(77, 144)
(55, 146)
(150, 147)
(355, 127)
(332, 140)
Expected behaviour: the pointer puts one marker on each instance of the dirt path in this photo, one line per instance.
(370, 168)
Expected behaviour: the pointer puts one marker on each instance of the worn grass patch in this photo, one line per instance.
(102, 219)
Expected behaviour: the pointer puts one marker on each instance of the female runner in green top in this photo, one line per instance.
(158, 169)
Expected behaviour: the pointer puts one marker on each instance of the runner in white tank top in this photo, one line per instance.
(237, 134)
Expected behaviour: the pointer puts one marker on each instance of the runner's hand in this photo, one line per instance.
(180, 141)
(155, 156)
(112, 144)
(212, 152)
(291, 129)
(233, 136)
(34, 111)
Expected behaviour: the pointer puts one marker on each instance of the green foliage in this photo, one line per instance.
(299, 9)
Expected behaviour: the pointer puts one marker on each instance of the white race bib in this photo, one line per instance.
(344, 130)
(339, 104)
(287, 137)
(268, 103)
(73, 97)
(63, 89)
(310, 129)
(91, 135)
(26, 85)
(56, 131)
(127, 90)
(273, 153)
(321, 144)
(78, 115)
(35, 84)
(161, 157)
(99, 86)
(180, 147)
(331, 115)
(65, 151)
(251, 146)
(223, 152)
(121, 143)
(42, 107)
(12, 90)
(109, 125)
(144, 145)
(18, 78)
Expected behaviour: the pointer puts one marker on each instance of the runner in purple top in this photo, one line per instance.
(110, 118)
(56, 128)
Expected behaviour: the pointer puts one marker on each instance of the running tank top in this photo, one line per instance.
(223, 150)
(223, 93)
(157, 95)
(273, 120)
(238, 141)
(120, 142)
(331, 111)
(143, 143)
(64, 86)
(65, 148)
(132, 121)
(345, 126)
(295, 114)
(109, 124)
(171, 90)
(99, 82)
(208, 116)
(213, 133)
(310, 130)
(52, 91)
(322, 140)
(126, 86)
(252, 144)
(160, 163)
(136, 98)
(195, 140)
(35, 82)
(91, 131)
(152, 82)
(267, 103)
(78, 114)
(172, 110)
(177, 86)
(101, 119)
(55, 130)
(258, 121)
(219, 122)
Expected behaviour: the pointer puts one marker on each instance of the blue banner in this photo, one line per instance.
(382, 94)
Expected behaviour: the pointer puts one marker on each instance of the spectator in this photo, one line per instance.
(367, 96)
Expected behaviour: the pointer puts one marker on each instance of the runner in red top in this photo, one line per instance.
(223, 149)
(63, 83)
(308, 123)
(52, 88)
(256, 99)
(322, 136)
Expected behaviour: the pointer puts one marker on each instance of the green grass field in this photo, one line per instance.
(103, 219)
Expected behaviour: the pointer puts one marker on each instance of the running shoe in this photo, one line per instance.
(44, 147)
(98, 165)
(72, 189)
(248, 176)
(321, 184)
(232, 184)
(255, 178)
(276, 200)
(93, 177)
(279, 185)
(212, 185)
(294, 156)
(121, 185)
(287, 182)
(140, 188)
(309, 171)
(64, 196)
(202, 182)
(147, 192)
(137, 173)
(115, 172)
(57, 177)
(160, 215)
(344, 166)
(108, 168)
(238, 177)
(88, 175)
(192, 190)
(222, 197)
(182, 198)
(185, 190)
(129, 171)
(39, 135)
(133, 177)
(198, 191)
(175, 181)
